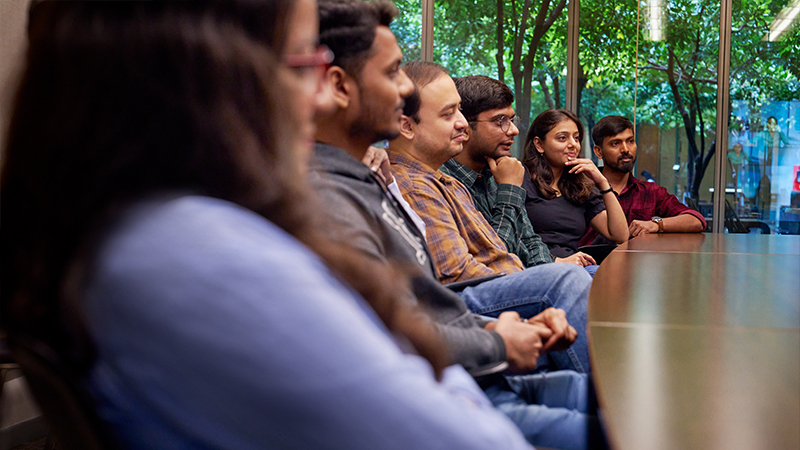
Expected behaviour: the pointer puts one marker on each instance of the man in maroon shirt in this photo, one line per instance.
(648, 207)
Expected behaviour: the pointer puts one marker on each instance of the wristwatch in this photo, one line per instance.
(659, 221)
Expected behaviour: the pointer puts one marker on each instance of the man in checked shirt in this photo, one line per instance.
(462, 243)
(494, 177)
(648, 207)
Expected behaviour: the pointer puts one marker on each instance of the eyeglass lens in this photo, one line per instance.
(505, 123)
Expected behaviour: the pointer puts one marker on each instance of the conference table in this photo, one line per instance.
(695, 342)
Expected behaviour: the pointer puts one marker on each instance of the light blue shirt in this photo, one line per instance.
(216, 329)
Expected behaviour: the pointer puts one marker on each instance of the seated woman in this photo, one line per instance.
(157, 234)
(562, 197)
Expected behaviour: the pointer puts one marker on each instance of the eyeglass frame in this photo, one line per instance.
(503, 118)
(322, 58)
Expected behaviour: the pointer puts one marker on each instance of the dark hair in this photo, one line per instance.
(422, 73)
(609, 126)
(575, 187)
(121, 100)
(480, 93)
(347, 27)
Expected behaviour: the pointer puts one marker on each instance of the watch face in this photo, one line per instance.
(656, 219)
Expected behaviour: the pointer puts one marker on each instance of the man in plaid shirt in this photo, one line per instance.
(368, 89)
(648, 207)
(462, 243)
(491, 174)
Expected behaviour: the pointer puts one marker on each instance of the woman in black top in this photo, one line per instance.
(564, 192)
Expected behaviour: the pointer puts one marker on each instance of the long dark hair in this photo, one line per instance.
(120, 100)
(575, 188)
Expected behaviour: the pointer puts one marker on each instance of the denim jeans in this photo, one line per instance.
(530, 292)
(555, 409)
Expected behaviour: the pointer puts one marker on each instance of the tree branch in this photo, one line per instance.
(700, 113)
(546, 90)
(690, 132)
(519, 38)
(750, 61)
(679, 75)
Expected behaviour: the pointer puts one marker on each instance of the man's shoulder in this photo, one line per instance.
(336, 161)
(649, 186)
(412, 175)
(637, 187)
(656, 197)
(410, 166)
(460, 172)
(341, 194)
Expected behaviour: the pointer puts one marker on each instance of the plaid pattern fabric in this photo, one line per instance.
(641, 200)
(504, 207)
(462, 242)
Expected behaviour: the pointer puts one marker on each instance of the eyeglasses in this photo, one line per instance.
(504, 122)
(320, 59)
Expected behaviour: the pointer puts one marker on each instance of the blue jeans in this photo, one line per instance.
(530, 292)
(555, 409)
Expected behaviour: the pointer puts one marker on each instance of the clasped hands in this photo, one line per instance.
(526, 340)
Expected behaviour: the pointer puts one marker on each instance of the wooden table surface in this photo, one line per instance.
(695, 342)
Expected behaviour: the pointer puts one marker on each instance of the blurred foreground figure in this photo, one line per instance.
(157, 235)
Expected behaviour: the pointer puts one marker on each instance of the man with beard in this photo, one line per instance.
(648, 207)
(494, 177)
(367, 90)
(431, 132)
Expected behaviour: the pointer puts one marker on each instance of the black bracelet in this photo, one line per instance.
(606, 191)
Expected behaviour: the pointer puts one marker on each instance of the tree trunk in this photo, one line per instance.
(702, 165)
(557, 92)
(687, 123)
(546, 90)
(501, 68)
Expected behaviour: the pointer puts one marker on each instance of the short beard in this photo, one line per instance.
(625, 166)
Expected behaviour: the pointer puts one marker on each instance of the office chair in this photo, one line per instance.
(62, 396)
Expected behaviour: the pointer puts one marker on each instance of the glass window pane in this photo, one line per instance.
(675, 88)
(408, 28)
(763, 155)
(469, 36)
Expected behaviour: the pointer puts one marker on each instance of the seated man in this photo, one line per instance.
(492, 175)
(368, 88)
(430, 134)
(648, 207)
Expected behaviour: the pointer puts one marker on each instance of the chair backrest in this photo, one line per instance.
(62, 396)
(732, 222)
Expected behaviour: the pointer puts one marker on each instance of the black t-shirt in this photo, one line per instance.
(560, 223)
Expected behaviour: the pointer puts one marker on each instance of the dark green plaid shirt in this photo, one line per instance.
(503, 206)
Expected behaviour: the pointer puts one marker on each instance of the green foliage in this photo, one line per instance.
(676, 80)
(408, 28)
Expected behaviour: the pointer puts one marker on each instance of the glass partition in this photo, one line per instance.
(521, 43)
(670, 69)
(655, 62)
(408, 28)
(763, 155)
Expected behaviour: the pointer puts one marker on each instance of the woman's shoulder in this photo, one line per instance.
(190, 235)
(532, 193)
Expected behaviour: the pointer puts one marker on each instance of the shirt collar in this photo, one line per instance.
(633, 183)
(462, 173)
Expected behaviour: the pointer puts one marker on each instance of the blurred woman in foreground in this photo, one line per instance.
(157, 234)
